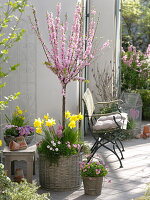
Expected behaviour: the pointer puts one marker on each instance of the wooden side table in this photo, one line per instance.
(27, 155)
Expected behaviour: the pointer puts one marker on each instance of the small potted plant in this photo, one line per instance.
(92, 174)
(17, 126)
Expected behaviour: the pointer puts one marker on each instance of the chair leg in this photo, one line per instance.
(114, 152)
(96, 147)
(116, 144)
(121, 144)
(94, 144)
(92, 153)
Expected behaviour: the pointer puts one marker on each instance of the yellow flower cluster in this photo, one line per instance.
(73, 119)
(1, 143)
(19, 112)
(50, 122)
(46, 121)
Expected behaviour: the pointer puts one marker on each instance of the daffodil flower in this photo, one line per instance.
(74, 118)
(50, 122)
(1, 143)
(38, 130)
(72, 124)
(67, 114)
(80, 116)
(46, 117)
(38, 123)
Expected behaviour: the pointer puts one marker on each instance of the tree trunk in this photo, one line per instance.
(63, 105)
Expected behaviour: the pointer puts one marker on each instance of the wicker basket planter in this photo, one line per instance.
(61, 176)
(92, 185)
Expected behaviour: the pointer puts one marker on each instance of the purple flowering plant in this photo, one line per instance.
(17, 126)
(135, 69)
(93, 169)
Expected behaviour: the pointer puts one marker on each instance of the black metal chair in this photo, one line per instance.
(105, 128)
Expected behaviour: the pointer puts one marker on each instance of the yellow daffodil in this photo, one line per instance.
(1, 143)
(46, 117)
(80, 116)
(38, 130)
(37, 123)
(17, 108)
(50, 122)
(72, 124)
(67, 114)
(74, 118)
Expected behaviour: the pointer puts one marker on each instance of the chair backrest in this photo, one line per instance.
(88, 100)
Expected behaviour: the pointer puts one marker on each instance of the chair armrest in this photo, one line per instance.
(106, 114)
(114, 101)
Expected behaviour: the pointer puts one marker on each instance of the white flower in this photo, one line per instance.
(56, 149)
(7, 178)
(48, 146)
(54, 144)
(1, 166)
(59, 142)
(52, 141)
(51, 148)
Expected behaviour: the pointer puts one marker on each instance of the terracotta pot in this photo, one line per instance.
(92, 185)
(146, 129)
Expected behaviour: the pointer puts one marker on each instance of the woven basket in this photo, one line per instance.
(92, 185)
(61, 176)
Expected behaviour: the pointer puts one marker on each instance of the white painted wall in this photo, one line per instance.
(40, 88)
(49, 97)
(105, 31)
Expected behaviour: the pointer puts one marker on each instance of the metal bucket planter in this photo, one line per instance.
(92, 185)
(61, 176)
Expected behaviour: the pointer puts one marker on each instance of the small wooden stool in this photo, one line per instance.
(27, 155)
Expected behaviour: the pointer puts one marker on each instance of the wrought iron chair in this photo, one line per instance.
(105, 128)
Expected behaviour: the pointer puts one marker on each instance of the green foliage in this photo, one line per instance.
(145, 95)
(109, 109)
(71, 135)
(136, 26)
(16, 122)
(10, 15)
(11, 132)
(93, 169)
(131, 124)
(53, 147)
(18, 117)
(3, 104)
(13, 191)
(146, 195)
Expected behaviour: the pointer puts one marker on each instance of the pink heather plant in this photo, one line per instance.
(135, 69)
(66, 54)
(93, 169)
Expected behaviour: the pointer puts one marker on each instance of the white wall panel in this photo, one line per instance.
(40, 88)
(105, 31)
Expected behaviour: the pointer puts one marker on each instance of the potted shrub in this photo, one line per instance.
(59, 152)
(92, 174)
(18, 126)
(66, 57)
